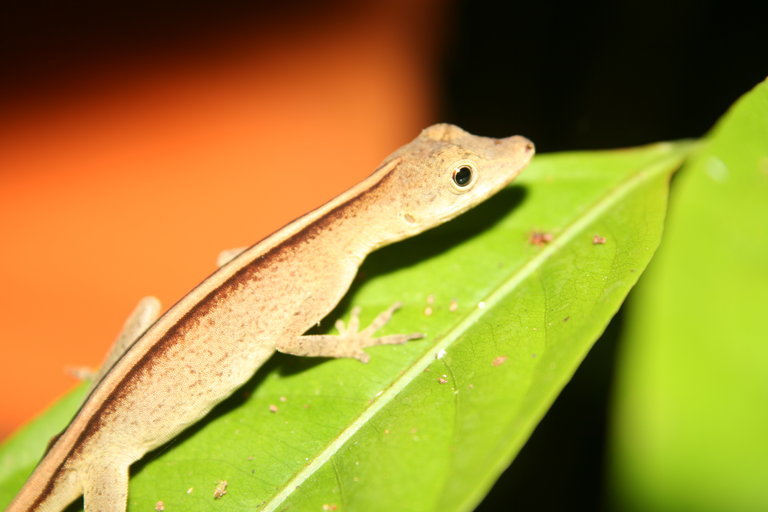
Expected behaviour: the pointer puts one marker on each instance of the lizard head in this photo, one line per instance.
(446, 171)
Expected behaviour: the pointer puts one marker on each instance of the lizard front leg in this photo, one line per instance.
(350, 341)
(105, 487)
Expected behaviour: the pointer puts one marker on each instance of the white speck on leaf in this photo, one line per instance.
(716, 169)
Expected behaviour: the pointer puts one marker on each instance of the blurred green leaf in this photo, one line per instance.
(431, 424)
(691, 425)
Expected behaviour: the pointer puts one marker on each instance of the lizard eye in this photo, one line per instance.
(463, 176)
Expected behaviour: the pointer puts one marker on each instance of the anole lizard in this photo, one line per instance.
(166, 373)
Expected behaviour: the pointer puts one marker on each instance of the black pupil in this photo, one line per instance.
(462, 176)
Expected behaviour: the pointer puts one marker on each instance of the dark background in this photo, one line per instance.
(584, 75)
(589, 76)
(568, 75)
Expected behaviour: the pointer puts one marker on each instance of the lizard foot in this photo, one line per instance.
(350, 341)
(355, 340)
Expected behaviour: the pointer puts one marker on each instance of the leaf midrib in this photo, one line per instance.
(613, 196)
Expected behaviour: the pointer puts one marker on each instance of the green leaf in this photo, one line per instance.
(691, 426)
(431, 424)
(20, 453)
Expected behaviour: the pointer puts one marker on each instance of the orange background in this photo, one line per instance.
(125, 177)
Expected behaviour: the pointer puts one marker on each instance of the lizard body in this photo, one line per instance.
(180, 365)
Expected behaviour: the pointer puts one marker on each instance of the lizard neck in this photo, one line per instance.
(361, 224)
